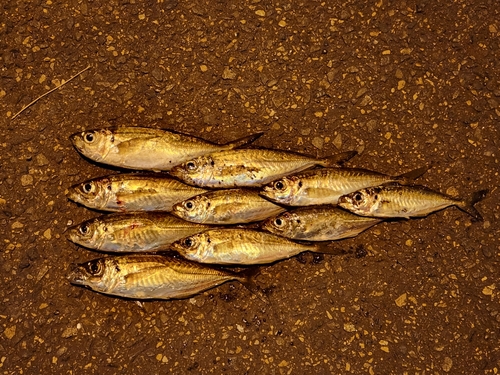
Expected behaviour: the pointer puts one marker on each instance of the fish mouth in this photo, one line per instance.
(76, 275)
(77, 141)
(344, 199)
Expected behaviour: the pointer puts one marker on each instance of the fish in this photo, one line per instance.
(131, 192)
(146, 276)
(318, 223)
(397, 201)
(233, 206)
(325, 186)
(127, 233)
(248, 167)
(142, 148)
(234, 246)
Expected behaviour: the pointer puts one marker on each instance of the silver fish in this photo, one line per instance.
(150, 276)
(325, 186)
(405, 201)
(241, 247)
(318, 223)
(233, 206)
(131, 192)
(139, 232)
(146, 148)
(248, 167)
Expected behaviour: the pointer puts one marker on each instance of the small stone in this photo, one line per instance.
(275, 126)
(47, 234)
(282, 23)
(349, 327)
(401, 84)
(399, 74)
(401, 300)
(26, 180)
(228, 73)
(318, 142)
(447, 364)
(69, 332)
(305, 131)
(337, 141)
(488, 290)
(10, 332)
(260, 13)
(41, 160)
(203, 68)
(17, 225)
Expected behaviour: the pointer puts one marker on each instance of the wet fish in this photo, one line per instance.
(248, 167)
(131, 192)
(318, 223)
(233, 206)
(325, 186)
(241, 247)
(405, 201)
(146, 148)
(150, 276)
(125, 233)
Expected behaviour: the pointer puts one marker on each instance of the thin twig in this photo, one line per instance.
(48, 92)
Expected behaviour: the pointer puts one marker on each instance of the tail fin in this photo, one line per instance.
(468, 204)
(410, 176)
(337, 159)
(243, 141)
(247, 278)
(327, 248)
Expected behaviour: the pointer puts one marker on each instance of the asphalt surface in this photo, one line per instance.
(405, 83)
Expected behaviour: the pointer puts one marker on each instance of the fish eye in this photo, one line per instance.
(189, 205)
(87, 188)
(279, 185)
(89, 137)
(191, 165)
(358, 197)
(94, 267)
(84, 229)
(278, 222)
(188, 242)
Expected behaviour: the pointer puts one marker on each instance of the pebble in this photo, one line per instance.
(41, 160)
(26, 180)
(228, 73)
(318, 142)
(447, 364)
(401, 300)
(10, 332)
(337, 141)
(17, 225)
(47, 234)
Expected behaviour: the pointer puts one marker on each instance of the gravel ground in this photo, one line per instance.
(405, 83)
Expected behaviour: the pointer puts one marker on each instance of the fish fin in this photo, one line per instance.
(247, 278)
(410, 176)
(243, 141)
(327, 248)
(467, 205)
(337, 159)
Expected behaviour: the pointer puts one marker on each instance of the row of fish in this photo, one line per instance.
(272, 181)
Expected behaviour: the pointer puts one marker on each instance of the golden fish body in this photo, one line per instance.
(148, 276)
(325, 186)
(131, 192)
(318, 223)
(233, 206)
(405, 201)
(238, 246)
(139, 232)
(145, 148)
(248, 167)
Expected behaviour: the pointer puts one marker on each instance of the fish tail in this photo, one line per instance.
(337, 159)
(327, 248)
(411, 176)
(247, 278)
(467, 205)
(243, 141)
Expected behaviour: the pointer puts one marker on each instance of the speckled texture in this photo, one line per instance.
(404, 83)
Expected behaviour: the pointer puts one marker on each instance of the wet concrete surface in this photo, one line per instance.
(405, 83)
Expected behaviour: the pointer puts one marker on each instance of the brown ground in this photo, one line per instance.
(406, 83)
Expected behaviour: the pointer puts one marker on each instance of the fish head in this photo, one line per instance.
(191, 247)
(283, 224)
(193, 209)
(97, 274)
(283, 190)
(92, 193)
(361, 202)
(94, 144)
(194, 171)
(90, 233)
